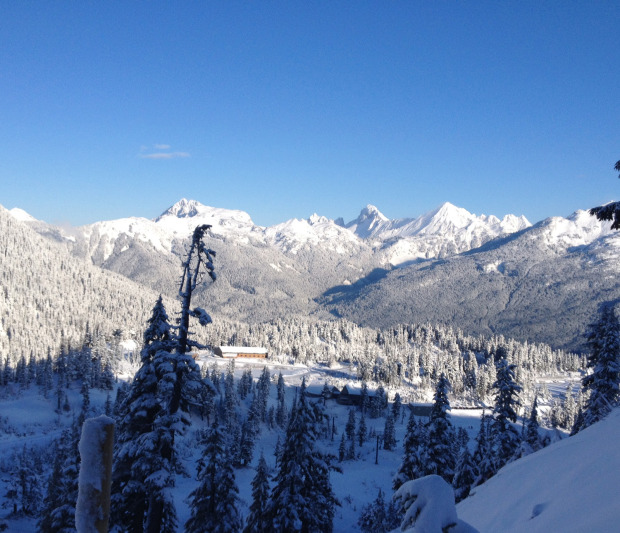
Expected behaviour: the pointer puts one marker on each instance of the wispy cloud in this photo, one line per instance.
(164, 155)
(160, 151)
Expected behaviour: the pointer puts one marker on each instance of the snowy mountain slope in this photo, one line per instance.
(316, 231)
(570, 486)
(543, 283)
(47, 293)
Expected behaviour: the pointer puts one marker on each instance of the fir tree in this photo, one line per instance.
(214, 503)
(531, 428)
(389, 433)
(302, 498)
(411, 466)
(440, 459)
(262, 388)
(63, 515)
(136, 446)
(396, 407)
(350, 433)
(465, 475)
(281, 413)
(257, 521)
(362, 430)
(505, 436)
(377, 517)
(364, 398)
(603, 382)
(483, 453)
(53, 495)
(246, 446)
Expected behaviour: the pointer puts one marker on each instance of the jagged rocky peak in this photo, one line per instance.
(182, 209)
(369, 221)
(317, 219)
(371, 212)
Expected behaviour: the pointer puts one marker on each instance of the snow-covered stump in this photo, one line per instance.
(92, 511)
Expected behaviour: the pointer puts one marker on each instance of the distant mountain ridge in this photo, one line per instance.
(478, 272)
(450, 229)
(543, 283)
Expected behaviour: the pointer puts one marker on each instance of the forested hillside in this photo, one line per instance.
(48, 296)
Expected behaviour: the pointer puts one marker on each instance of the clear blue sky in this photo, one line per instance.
(112, 109)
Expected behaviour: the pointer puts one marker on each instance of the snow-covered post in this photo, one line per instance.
(92, 511)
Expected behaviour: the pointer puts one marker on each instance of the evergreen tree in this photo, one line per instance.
(362, 430)
(302, 498)
(281, 413)
(465, 475)
(377, 517)
(411, 466)
(214, 503)
(53, 495)
(246, 446)
(483, 453)
(63, 515)
(396, 407)
(364, 398)
(570, 408)
(350, 433)
(179, 384)
(262, 388)
(257, 521)
(136, 451)
(440, 458)
(389, 433)
(342, 449)
(531, 428)
(603, 382)
(505, 436)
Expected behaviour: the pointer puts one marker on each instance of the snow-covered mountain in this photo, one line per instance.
(481, 273)
(542, 283)
(316, 231)
(445, 231)
(442, 232)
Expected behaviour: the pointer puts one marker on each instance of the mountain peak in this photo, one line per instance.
(369, 221)
(317, 219)
(182, 209)
(370, 211)
(21, 215)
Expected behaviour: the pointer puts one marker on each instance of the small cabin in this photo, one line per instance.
(232, 352)
(351, 394)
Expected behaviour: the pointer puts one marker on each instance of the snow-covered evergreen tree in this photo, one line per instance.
(379, 517)
(53, 494)
(136, 441)
(362, 430)
(505, 437)
(302, 498)
(411, 466)
(257, 521)
(214, 503)
(532, 436)
(484, 458)
(603, 383)
(465, 475)
(440, 459)
(389, 433)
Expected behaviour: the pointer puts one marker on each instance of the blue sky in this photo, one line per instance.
(281, 109)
